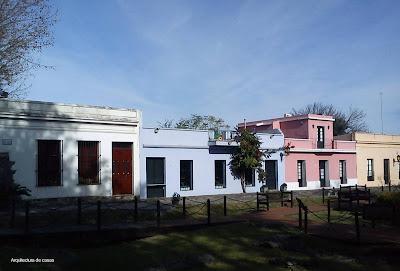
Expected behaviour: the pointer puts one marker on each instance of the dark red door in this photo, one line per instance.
(122, 168)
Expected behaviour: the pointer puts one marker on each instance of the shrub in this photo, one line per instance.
(389, 198)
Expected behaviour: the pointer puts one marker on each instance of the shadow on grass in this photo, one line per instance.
(243, 246)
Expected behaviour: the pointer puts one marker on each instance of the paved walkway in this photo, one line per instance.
(338, 231)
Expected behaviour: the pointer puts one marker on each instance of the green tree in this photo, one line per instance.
(9, 189)
(345, 122)
(247, 156)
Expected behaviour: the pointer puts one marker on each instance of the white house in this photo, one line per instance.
(64, 150)
(192, 163)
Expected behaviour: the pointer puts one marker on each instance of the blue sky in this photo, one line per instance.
(233, 59)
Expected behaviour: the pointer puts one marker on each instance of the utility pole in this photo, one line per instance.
(381, 94)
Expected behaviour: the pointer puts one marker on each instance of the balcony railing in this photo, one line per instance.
(299, 143)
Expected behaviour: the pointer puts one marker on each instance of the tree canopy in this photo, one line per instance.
(25, 29)
(199, 122)
(349, 121)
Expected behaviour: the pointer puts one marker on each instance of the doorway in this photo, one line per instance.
(122, 168)
(271, 174)
(323, 173)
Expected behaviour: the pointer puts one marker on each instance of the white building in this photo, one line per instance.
(64, 150)
(192, 163)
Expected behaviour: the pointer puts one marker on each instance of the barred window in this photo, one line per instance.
(49, 162)
(88, 162)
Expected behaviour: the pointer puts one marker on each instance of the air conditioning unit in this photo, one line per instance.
(287, 115)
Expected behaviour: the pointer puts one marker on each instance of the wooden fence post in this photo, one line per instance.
(291, 199)
(323, 195)
(158, 213)
(382, 187)
(305, 219)
(300, 217)
(208, 211)
(79, 215)
(358, 198)
(281, 199)
(258, 203)
(339, 200)
(135, 212)
(329, 211)
(224, 205)
(12, 217)
(98, 215)
(184, 207)
(357, 224)
(369, 196)
(390, 186)
(27, 216)
(267, 198)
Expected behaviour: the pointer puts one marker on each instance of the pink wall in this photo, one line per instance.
(328, 125)
(312, 165)
(295, 128)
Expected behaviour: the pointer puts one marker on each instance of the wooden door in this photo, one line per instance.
(271, 177)
(122, 174)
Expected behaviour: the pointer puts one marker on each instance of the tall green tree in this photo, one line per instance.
(352, 120)
(247, 156)
(25, 29)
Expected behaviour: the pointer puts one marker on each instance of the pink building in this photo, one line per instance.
(315, 158)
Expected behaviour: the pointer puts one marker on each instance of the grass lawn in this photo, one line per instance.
(241, 246)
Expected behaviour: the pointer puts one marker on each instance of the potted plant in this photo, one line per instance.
(283, 187)
(175, 198)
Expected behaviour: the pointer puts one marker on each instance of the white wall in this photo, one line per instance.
(24, 133)
(175, 145)
(313, 185)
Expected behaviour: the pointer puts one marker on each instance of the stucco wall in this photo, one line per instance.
(378, 148)
(295, 128)
(312, 168)
(24, 133)
(175, 145)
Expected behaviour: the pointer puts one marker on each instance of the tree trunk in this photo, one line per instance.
(243, 183)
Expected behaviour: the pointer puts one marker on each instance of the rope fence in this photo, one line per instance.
(100, 213)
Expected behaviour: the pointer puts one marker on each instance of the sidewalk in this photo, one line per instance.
(345, 232)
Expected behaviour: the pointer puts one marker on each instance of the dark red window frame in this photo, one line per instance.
(88, 162)
(49, 163)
